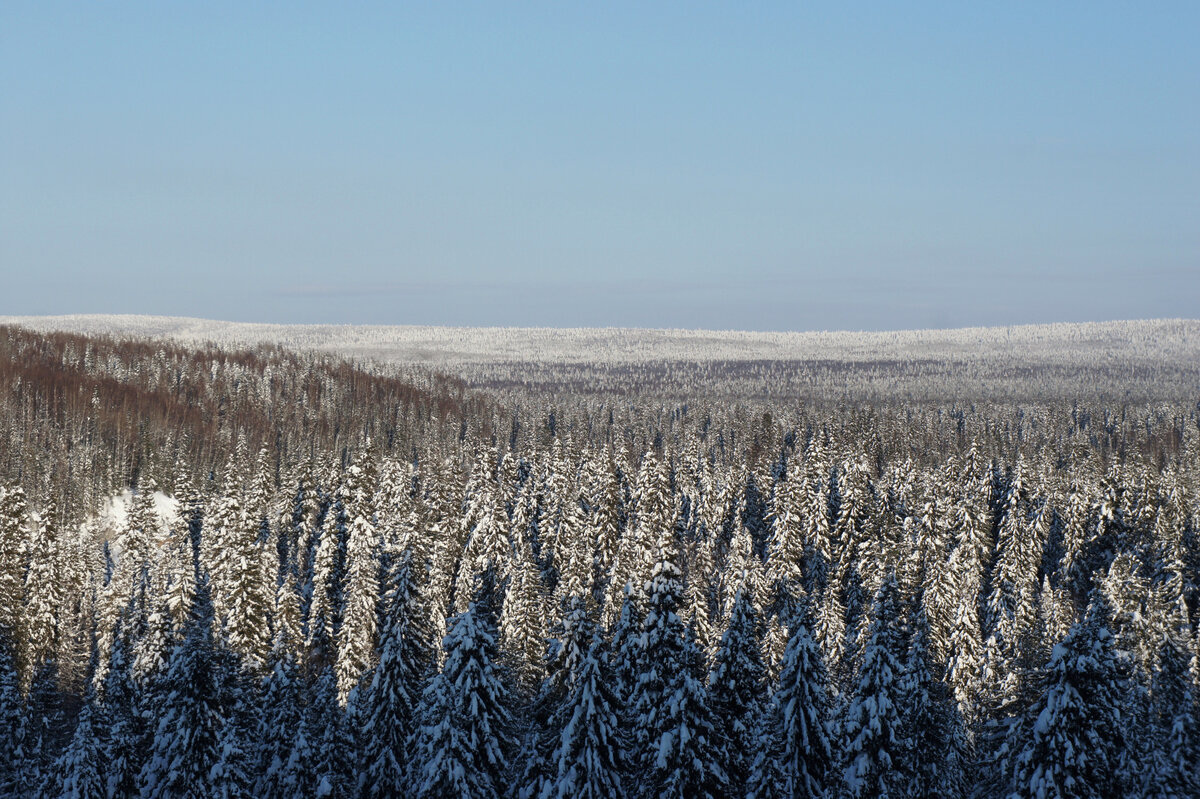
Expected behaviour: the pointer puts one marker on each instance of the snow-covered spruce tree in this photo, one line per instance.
(298, 775)
(522, 630)
(575, 556)
(278, 719)
(829, 630)
(280, 715)
(247, 600)
(14, 525)
(44, 598)
(817, 531)
(46, 726)
(222, 543)
(78, 771)
(965, 656)
(742, 572)
(700, 605)
(605, 523)
(487, 545)
(1020, 544)
(785, 562)
(672, 721)
(122, 704)
(654, 512)
(872, 751)
(625, 653)
(1071, 742)
(1170, 769)
(935, 744)
(736, 689)
(359, 633)
(328, 734)
(321, 612)
(546, 715)
(590, 759)
(460, 747)
(795, 755)
(15, 740)
(188, 756)
(140, 534)
(393, 691)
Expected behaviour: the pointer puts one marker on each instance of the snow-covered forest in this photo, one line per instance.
(373, 581)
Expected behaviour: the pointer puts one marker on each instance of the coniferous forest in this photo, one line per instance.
(272, 573)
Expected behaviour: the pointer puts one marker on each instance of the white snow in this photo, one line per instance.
(1125, 342)
(115, 510)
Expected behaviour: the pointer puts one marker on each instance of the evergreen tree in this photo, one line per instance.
(872, 751)
(736, 689)
(279, 718)
(358, 638)
(44, 599)
(460, 747)
(78, 773)
(672, 719)
(122, 709)
(796, 755)
(548, 711)
(932, 734)
(188, 753)
(523, 624)
(1071, 742)
(14, 524)
(328, 739)
(15, 740)
(393, 692)
(589, 761)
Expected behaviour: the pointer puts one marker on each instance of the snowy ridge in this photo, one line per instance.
(1145, 341)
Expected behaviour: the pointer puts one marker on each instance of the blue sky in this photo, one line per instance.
(760, 166)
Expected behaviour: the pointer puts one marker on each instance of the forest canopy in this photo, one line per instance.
(649, 579)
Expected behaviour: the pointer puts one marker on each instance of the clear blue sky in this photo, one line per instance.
(733, 165)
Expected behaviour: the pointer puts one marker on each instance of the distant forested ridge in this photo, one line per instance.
(348, 580)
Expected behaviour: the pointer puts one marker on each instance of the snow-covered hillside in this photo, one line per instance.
(1149, 341)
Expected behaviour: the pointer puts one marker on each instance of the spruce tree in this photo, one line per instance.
(188, 755)
(672, 720)
(359, 634)
(394, 687)
(736, 687)
(795, 758)
(1071, 742)
(78, 772)
(461, 743)
(872, 751)
(590, 759)
(15, 741)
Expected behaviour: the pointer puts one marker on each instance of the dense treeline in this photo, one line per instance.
(578, 598)
(84, 416)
